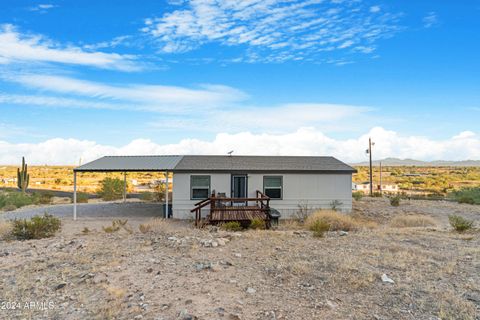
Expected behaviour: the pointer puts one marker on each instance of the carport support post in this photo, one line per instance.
(124, 186)
(74, 195)
(166, 194)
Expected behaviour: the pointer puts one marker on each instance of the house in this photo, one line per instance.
(287, 181)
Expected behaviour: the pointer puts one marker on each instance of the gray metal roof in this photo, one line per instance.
(262, 164)
(131, 163)
(218, 164)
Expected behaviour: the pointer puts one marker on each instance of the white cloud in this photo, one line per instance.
(430, 20)
(16, 47)
(146, 97)
(304, 141)
(42, 8)
(273, 30)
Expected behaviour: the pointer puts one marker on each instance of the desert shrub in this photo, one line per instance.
(377, 194)
(5, 229)
(159, 192)
(232, 226)
(335, 220)
(86, 230)
(37, 227)
(146, 196)
(257, 224)
(319, 227)
(335, 204)
(395, 201)
(117, 225)
(459, 223)
(302, 213)
(156, 225)
(17, 199)
(42, 197)
(466, 195)
(412, 221)
(82, 197)
(357, 195)
(111, 189)
(9, 207)
(144, 228)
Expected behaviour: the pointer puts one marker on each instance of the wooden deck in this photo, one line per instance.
(221, 209)
(236, 213)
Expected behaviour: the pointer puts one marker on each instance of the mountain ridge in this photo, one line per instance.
(392, 162)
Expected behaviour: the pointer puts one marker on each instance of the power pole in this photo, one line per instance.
(381, 189)
(369, 151)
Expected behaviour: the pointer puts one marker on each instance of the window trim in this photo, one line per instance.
(281, 186)
(191, 185)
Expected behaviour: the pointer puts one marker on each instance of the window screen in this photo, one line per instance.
(200, 187)
(272, 186)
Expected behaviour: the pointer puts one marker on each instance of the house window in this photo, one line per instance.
(272, 186)
(199, 187)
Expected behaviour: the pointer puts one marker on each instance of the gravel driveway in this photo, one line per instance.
(91, 210)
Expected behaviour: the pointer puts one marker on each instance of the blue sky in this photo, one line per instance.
(83, 78)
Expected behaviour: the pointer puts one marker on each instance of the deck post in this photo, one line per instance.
(74, 195)
(124, 186)
(166, 194)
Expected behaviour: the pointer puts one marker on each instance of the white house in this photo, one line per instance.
(289, 182)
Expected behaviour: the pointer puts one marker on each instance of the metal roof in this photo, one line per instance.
(218, 164)
(262, 164)
(131, 163)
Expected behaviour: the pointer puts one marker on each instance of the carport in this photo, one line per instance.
(127, 164)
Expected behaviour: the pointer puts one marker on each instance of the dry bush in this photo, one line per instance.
(156, 225)
(5, 229)
(412, 221)
(336, 221)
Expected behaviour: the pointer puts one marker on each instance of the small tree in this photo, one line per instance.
(23, 178)
(111, 189)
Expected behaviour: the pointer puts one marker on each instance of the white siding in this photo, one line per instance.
(314, 191)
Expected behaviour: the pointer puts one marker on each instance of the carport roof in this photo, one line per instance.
(217, 163)
(131, 163)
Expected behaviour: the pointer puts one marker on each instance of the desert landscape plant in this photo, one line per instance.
(459, 223)
(335, 220)
(111, 189)
(257, 224)
(357, 195)
(118, 224)
(231, 226)
(395, 201)
(412, 221)
(23, 177)
(319, 227)
(466, 195)
(37, 227)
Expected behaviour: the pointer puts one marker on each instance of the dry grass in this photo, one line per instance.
(5, 229)
(337, 221)
(156, 225)
(413, 221)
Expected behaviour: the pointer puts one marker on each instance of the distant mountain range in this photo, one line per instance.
(410, 162)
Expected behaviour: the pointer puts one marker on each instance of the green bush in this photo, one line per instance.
(357, 195)
(17, 199)
(466, 195)
(37, 227)
(459, 223)
(146, 196)
(82, 197)
(395, 201)
(319, 227)
(111, 189)
(377, 194)
(232, 226)
(257, 224)
(42, 197)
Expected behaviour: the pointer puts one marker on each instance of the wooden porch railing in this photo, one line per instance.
(262, 203)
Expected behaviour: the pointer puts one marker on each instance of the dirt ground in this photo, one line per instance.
(174, 271)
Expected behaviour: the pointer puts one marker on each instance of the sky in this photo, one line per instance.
(83, 79)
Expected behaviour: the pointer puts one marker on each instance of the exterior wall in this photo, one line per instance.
(310, 191)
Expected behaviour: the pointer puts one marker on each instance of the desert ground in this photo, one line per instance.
(170, 270)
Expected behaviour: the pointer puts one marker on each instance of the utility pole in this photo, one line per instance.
(369, 151)
(381, 189)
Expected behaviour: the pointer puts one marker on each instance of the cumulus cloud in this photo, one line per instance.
(304, 141)
(29, 48)
(272, 31)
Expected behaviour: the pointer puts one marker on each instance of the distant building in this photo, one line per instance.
(365, 188)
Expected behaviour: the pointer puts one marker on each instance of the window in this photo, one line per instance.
(272, 187)
(199, 187)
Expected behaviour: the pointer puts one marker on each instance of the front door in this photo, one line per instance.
(239, 187)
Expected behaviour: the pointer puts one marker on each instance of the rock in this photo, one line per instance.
(188, 301)
(214, 244)
(238, 255)
(219, 310)
(233, 316)
(386, 279)
(149, 270)
(251, 290)
(330, 304)
(100, 278)
(184, 315)
(4, 253)
(199, 266)
(138, 317)
(60, 286)
(222, 241)
(342, 233)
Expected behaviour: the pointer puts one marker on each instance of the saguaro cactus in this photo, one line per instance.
(23, 177)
